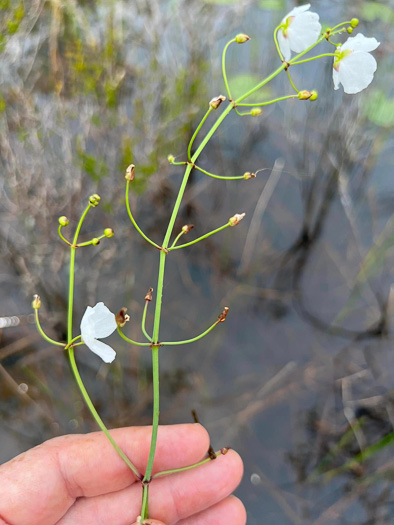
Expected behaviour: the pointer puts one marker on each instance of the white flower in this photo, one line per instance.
(298, 30)
(98, 322)
(353, 65)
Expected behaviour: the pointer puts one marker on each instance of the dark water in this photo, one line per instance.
(300, 377)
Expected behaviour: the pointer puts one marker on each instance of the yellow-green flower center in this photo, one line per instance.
(340, 55)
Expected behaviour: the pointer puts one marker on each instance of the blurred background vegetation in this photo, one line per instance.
(300, 379)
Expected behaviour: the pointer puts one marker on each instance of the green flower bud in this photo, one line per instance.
(171, 159)
(241, 38)
(94, 199)
(109, 232)
(255, 112)
(63, 221)
(130, 173)
(354, 22)
(314, 95)
(187, 227)
(349, 30)
(95, 241)
(236, 219)
(36, 304)
(216, 101)
(304, 95)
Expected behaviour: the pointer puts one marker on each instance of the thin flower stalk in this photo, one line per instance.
(224, 66)
(189, 148)
(143, 322)
(222, 177)
(199, 238)
(43, 334)
(128, 340)
(221, 452)
(186, 341)
(133, 220)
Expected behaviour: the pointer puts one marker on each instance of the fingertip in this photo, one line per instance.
(238, 509)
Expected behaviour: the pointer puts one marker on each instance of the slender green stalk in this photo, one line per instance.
(183, 163)
(341, 24)
(189, 148)
(312, 58)
(291, 81)
(62, 236)
(277, 43)
(133, 220)
(130, 340)
(71, 277)
(224, 67)
(200, 238)
(143, 321)
(177, 238)
(43, 334)
(88, 243)
(287, 97)
(182, 469)
(218, 176)
(172, 343)
(94, 413)
(155, 423)
(145, 501)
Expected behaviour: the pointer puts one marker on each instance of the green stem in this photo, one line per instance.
(177, 238)
(128, 340)
(291, 81)
(133, 220)
(312, 58)
(189, 148)
(145, 501)
(182, 469)
(277, 43)
(155, 422)
(269, 102)
(143, 322)
(172, 343)
(218, 176)
(62, 236)
(200, 238)
(43, 334)
(71, 277)
(224, 66)
(341, 24)
(94, 413)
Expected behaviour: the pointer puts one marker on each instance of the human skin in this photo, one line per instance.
(78, 479)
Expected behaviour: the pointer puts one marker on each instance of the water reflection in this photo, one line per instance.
(299, 379)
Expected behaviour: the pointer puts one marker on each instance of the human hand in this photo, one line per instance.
(78, 479)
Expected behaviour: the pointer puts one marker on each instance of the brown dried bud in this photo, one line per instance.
(216, 101)
(304, 95)
(121, 317)
(130, 173)
(248, 175)
(36, 304)
(148, 296)
(236, 219)
(223, 315)
(241, 38)
(187, 227)
(224, 450)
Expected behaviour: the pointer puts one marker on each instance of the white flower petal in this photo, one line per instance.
(361, 43)
(99, 322)
(356, 71)
(103, 350)
(304, 31)
(284, 45)
(296, 11)
(335, 77)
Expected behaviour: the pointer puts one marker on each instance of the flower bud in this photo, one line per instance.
(236, 219)
(36, 304)
(314, 95)
(223, 315)
(95, 241)
(148, 296)
(248, 175)
(94, 199)
(224, 450)
(121, 317)
(216, 101)
(256, 112)
(63, 221)
(349, 30)
(109, 232)
(130, 173)
(171, 159)
(354, 22)
(241, 38)
(304, 95)
(187, 227)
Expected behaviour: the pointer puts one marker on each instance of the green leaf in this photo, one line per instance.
(379, 109)
(273, 5)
